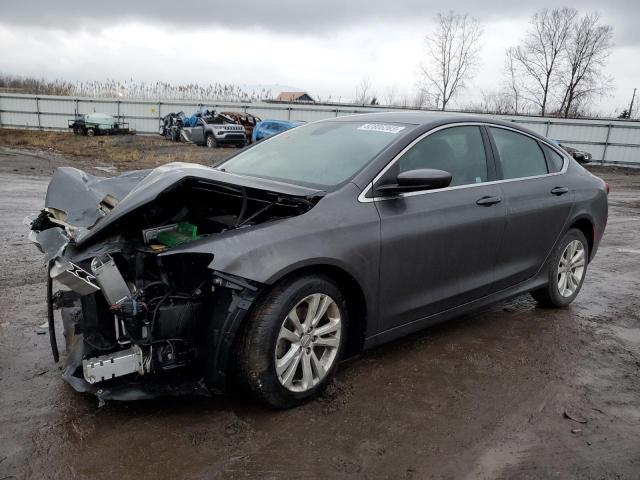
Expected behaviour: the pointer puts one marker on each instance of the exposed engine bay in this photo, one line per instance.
(142, 315)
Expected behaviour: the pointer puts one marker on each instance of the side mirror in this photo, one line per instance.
(420, 179)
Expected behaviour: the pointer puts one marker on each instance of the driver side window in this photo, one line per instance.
(457, 150)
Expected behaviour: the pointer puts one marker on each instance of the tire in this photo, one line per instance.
(285, 371)
(210, 141)
(77, 129)
(552, 295)
(241, 144)
(90, 132)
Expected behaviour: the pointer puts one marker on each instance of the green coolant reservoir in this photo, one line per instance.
(184, 232)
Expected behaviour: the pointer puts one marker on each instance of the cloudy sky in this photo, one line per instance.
(325, 47)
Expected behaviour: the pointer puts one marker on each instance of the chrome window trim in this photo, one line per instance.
(362, 198)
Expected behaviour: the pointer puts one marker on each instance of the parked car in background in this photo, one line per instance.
(335, 237)
(91, 124)
(267, 128)
(579, 155)
(213, 130)
(247, 120)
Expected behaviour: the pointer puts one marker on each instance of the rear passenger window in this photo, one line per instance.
(457, 150)
(520, 155)
(554, 160)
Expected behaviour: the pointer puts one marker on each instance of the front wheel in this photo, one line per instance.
(210, 141)
(293, 341)
(567, 269)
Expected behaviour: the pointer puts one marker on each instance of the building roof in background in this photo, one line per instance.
(294, 97)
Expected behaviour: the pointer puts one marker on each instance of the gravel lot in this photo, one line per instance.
(513, 392)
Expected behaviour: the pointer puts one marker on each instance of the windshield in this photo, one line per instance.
(319, 154)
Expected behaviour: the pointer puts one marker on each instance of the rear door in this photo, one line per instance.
(439, 247)
(538, 203)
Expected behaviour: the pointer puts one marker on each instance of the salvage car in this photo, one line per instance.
(98, 124)
(214, 130)
(268, 128)
(579, 155)
(247, 120)
(305, 248)
(171, 124)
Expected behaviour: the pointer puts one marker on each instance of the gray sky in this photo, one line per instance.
(324, 47)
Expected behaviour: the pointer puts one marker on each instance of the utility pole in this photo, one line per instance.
(631, 104)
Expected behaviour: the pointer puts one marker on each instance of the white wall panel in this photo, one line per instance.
(624, 135)
(20, 111)
(29, 120)
(623, 154)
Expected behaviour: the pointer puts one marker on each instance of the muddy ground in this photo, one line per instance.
(485, 396)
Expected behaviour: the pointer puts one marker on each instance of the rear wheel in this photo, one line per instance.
(293, 341)
(568, 267)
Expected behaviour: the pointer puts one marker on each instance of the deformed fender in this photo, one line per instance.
(233, 300)
(267, 252)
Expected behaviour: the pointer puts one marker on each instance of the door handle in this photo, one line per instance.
(488, 201)
(559, 191)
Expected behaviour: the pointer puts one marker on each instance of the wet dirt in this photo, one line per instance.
(515, 391)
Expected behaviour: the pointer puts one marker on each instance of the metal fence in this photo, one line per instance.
(613, 141)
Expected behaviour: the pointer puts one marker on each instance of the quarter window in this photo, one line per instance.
(554, 160)
(520, 155)
(457, 150)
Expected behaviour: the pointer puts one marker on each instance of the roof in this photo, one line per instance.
(294, 96)
(428, 118)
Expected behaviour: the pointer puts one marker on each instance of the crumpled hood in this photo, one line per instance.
(79, 194)
(92, 204)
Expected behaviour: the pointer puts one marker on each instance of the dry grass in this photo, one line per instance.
(126, 152)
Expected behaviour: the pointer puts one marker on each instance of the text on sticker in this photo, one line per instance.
(381, 127)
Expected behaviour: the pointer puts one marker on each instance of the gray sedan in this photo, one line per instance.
(308, 247)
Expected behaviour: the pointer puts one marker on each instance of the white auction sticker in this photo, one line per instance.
(381, 127)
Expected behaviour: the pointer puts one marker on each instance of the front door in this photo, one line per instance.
(197, 132)
(439, 247)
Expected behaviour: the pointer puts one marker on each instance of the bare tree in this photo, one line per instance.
(587, 48)
(513, 81)
(390, 95)
(362, 91)
(452, 52)
(419, 99)
(542, 51)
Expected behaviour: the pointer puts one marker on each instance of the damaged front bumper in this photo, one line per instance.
(188, 352)
(140, 317)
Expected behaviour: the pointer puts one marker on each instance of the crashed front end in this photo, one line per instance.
(142, 315)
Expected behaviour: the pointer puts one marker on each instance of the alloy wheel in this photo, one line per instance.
(308, 342)
(571, 268)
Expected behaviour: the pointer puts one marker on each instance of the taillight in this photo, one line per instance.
(607, 188)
